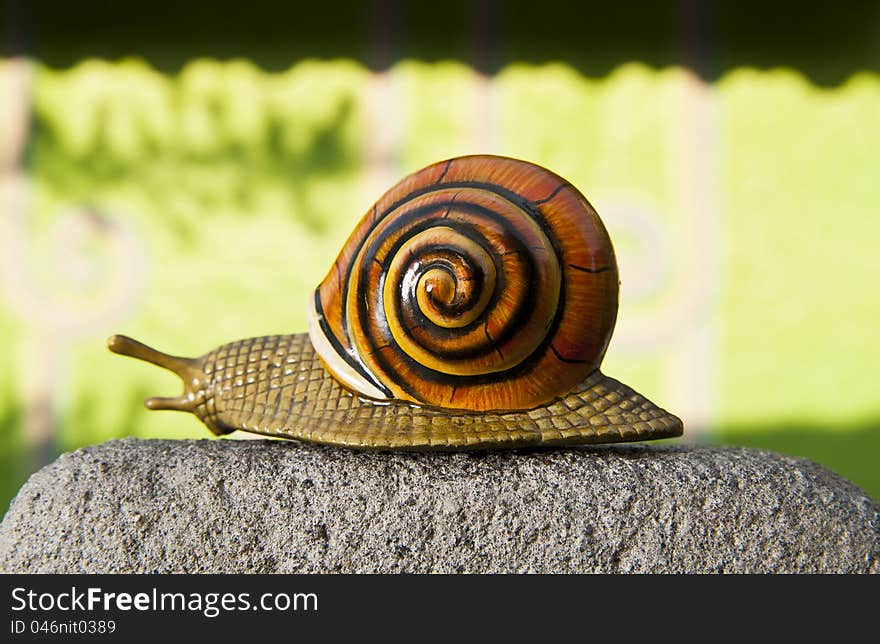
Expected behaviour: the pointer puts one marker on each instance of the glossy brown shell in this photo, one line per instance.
(478, 283)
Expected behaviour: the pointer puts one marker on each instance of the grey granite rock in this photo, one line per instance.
(269, 506)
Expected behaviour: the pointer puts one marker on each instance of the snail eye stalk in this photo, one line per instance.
(187, 369)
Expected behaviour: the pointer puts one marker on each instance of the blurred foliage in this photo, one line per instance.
(218, 137)
(15, 463)
(241, 186)
(801, 184)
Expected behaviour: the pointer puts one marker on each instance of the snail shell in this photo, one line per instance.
(470, 307)
(480, 283)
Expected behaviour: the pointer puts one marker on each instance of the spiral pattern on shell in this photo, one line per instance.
(478, 283)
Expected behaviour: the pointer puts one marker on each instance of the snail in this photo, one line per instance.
(471, 307)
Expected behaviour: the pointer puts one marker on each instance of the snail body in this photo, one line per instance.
(470, 307)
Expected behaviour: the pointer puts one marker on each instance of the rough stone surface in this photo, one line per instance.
(268, 506)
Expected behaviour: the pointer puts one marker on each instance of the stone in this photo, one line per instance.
(259, 506)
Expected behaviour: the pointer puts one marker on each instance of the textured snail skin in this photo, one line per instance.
(277, 386)
(471, 307)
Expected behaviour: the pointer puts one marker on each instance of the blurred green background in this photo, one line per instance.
(187, 177)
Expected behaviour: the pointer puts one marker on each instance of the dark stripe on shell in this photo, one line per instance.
(430, 375)
(522, 310)
(562, 358)
(552, 194)
(602, 269)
